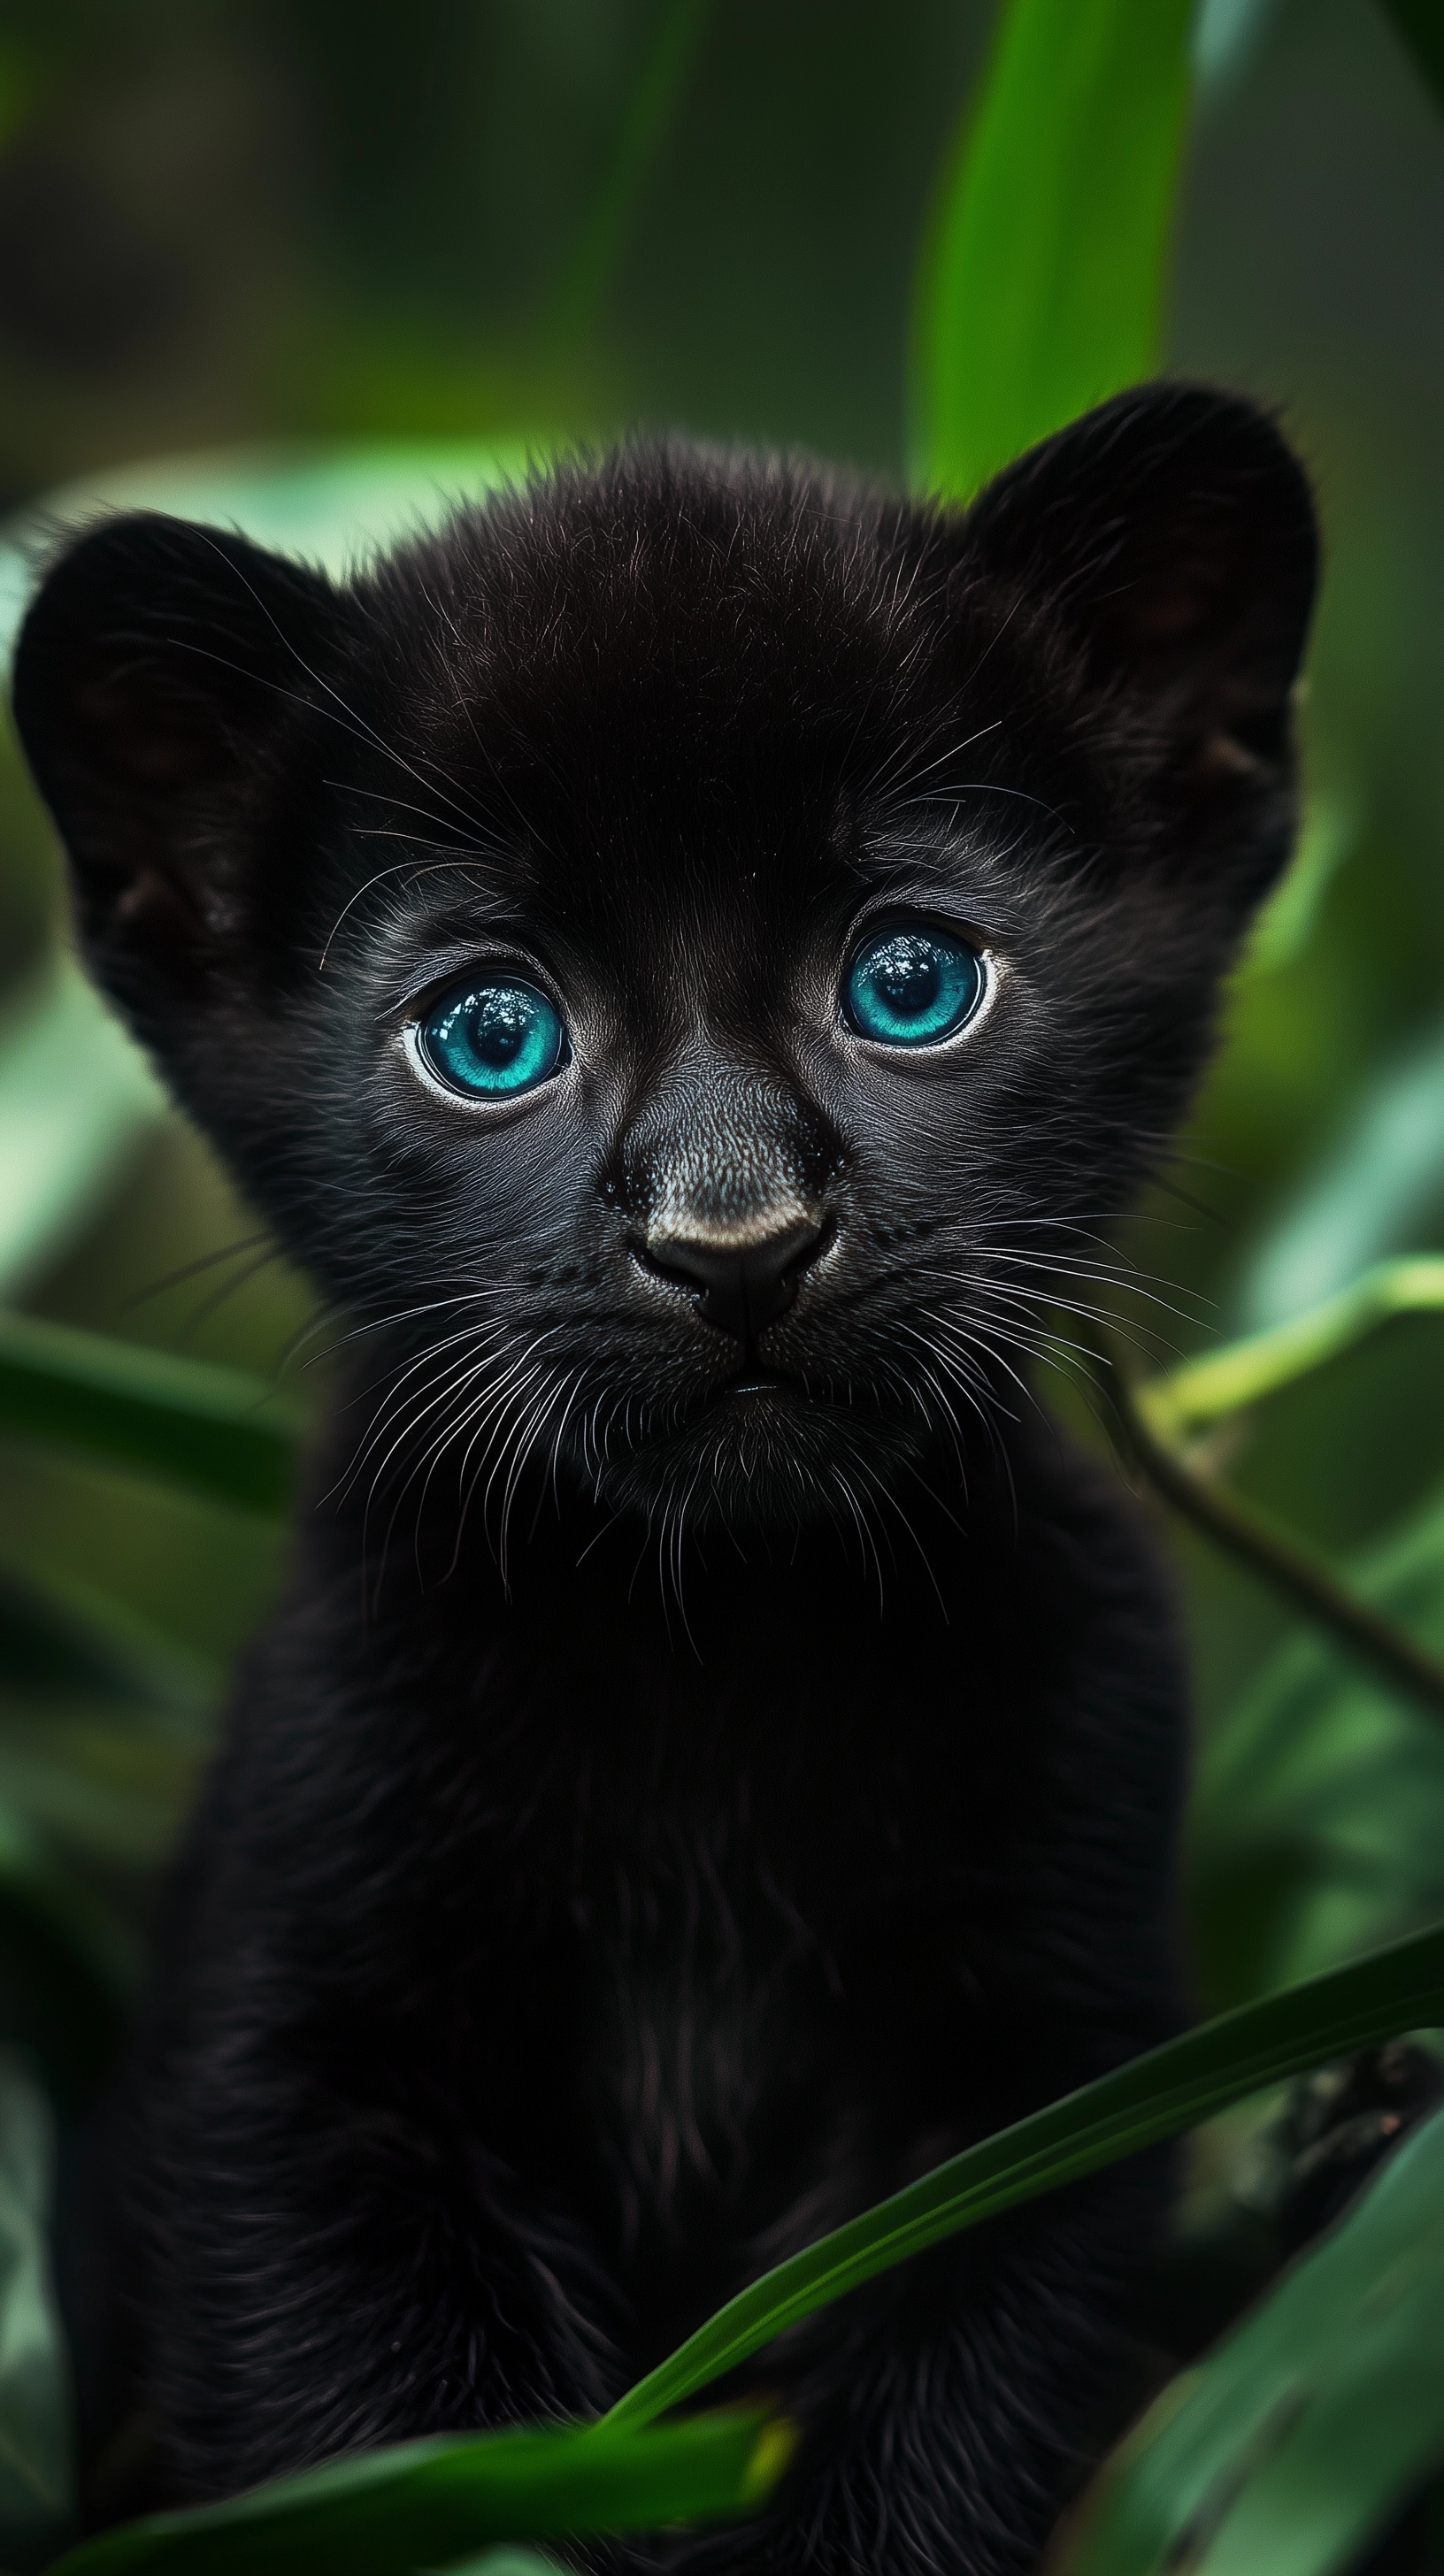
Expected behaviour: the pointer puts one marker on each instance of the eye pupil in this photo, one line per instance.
(492, 1040)
(913, 987)
(908, 979)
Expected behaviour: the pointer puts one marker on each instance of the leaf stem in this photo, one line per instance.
(1354, 1623)
(1244, 1372)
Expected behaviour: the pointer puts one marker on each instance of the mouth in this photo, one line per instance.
(763, 1446)
(751, 1382)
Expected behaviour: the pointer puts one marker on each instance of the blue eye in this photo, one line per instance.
(492, 1040)
(913, 987)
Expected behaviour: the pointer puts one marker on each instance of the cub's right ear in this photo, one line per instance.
(166, 680)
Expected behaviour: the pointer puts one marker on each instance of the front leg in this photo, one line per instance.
(328, 2266)
(947, 2420)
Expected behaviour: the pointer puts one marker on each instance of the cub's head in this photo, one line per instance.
(692, 952)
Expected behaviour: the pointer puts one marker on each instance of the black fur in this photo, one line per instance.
(660, 1820)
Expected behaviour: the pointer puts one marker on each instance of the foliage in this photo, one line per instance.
(1169, 2089)
(36, 2433)
(1042, 290)
(427, 2502)
(1319, 1814)
(1289, 2447)
(381, 2514)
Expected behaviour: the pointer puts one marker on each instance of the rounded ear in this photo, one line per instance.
(163, 676)
(1172, 532)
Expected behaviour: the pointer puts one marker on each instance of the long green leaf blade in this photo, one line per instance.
(422, 2503)
(1042, 283)
(1310, 2423)
(1155, 2096)
(214, 1429)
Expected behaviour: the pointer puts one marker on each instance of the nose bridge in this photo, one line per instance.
(729, 1177)
(727, 1156)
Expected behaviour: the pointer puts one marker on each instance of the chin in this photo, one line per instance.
(765, 1454)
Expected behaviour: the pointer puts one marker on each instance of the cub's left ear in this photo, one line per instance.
(1172, 534)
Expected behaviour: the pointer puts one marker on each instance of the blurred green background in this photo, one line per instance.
(239, 236)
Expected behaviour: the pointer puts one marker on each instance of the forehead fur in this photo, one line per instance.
(679, 659)
(664, 589)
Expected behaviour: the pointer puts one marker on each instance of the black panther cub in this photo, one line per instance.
(691, 956)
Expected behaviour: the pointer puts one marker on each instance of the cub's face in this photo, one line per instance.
(693, 955)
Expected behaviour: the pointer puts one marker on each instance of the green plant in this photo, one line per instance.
(1041, 288)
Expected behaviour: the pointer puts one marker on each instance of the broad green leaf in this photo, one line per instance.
(102, 1726)
(64, 1639)
(76, 1096)
(424, 2503)
(220, 1432)
(101, 1731)
(1373, 1191)
(1157, 2095)
(1311, 2423)
(1317, 1825)
(37, 2500)
(107, 1797)
(1242, 1373)
(1042, 283)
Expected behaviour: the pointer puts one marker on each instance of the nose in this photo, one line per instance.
(741, 1286)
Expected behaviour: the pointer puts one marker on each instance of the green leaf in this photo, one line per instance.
(1042, 283)
(1155, 2096)
(37, 2500)
(215, 1429)
(423, 2503)
(1311, 2423)
(76, 1096)
(1374, 1190)
(1317, 1824)
(64, 1639)
(101, 1730)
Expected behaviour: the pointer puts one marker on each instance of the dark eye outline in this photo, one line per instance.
(490, 971)
(872, 934)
